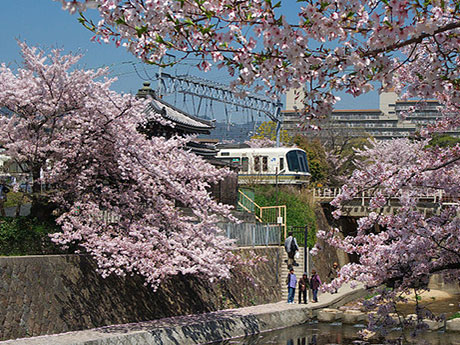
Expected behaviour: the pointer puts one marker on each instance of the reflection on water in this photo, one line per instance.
(336, 334)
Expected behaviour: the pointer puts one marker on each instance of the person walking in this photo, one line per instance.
(315, 283)
(333, 273)
(303, 286)
(291, 247)
(291, 282)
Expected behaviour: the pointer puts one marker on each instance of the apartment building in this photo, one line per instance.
(394, 119)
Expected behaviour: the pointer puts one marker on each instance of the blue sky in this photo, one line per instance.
(44, 23)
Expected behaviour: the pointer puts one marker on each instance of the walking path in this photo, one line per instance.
(199, 329)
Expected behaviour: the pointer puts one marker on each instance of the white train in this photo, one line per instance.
(269, 165)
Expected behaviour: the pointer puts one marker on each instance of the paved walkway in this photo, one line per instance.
(199, 329)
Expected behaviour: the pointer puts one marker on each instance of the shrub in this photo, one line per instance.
(16, 198)
(299, 211)
(26, 236)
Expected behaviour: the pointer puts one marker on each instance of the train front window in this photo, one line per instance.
(297, 161)
(303, 160)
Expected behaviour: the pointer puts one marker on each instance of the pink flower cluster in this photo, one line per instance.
(83, 137)
(334, 45)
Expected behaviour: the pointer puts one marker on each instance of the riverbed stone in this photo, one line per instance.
(434, 325)
(329, 315)
(453, 325)
(353, 316)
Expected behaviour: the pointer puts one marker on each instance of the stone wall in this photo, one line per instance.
(60, 293)
(438, 282)
(323, 261)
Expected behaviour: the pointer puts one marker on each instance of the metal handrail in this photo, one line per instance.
(260, 212)
(327, 193)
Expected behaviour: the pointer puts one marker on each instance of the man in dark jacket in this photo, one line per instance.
(333, 273)
(303, 286)
(291, 247)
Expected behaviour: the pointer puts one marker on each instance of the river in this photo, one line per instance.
(335, 334)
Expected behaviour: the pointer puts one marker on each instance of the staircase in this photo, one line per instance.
(263, 214)
(298, 270)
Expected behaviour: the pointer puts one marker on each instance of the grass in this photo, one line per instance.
(455, 316)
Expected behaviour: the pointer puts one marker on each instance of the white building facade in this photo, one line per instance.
(394, 119)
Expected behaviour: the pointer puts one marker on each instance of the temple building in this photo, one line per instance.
(183, 123)
(225, 191)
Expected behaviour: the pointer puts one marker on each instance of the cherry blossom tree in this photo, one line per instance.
(260, 143)
(403, 249)
(137, 205)
(334, 45)
(408, 45)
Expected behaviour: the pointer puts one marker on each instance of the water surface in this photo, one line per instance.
(337, 334)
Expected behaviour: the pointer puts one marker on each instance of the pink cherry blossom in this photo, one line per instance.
(409, 46)
(138, 206)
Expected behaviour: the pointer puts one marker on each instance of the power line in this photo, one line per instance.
(211, 90)
(200, 87)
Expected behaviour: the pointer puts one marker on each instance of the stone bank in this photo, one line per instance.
(61, 293)
(199, 329)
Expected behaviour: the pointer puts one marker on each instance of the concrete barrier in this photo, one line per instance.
(198, 328)
(190, 330)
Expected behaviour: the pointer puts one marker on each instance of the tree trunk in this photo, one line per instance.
(41, 208)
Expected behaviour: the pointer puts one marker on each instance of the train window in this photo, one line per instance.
(303, 160)
(265, 163)
(281, 164)
(245, 164)
(297, 161)
(225, 153)
(257, 163)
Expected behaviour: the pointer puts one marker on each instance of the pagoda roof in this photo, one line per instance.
(178, 117)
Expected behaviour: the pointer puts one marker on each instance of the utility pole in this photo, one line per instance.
(305, 256)
(160, 71)
(278, 127)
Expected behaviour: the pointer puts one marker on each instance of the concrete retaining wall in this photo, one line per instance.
(60, 293)
(198, 329)
(190, 330)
